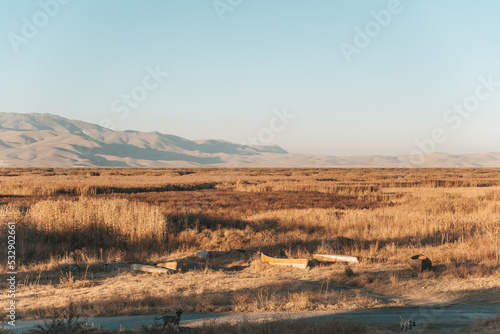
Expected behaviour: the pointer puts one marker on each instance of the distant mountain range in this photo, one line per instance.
(32, 140)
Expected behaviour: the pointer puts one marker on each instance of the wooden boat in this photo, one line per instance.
(336, 258)
(298, 263)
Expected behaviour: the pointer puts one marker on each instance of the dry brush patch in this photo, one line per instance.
(210, 290)
(383, 216)
(292, 327)
(489, 326)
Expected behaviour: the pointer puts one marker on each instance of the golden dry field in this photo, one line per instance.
(103, 219)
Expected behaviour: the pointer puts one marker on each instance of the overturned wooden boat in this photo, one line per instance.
(150, 269)
(298, 263)
(336, 258)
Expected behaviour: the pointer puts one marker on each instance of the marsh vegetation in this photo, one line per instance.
(102, 219)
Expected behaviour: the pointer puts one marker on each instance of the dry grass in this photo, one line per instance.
(93, 216)
(490, 326)
(292, 327)
(133, 222)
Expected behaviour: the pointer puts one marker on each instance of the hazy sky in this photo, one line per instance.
(360, 77)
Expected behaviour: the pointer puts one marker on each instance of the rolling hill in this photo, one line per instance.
(42, 140)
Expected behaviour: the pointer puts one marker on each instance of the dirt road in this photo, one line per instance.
(449, 319)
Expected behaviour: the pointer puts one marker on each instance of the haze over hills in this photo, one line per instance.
(44, 140)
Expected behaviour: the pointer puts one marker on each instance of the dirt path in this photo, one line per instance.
(450, 319)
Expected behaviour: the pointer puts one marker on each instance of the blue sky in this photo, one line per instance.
(226, 76)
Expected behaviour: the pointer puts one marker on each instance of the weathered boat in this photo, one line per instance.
(298, 263)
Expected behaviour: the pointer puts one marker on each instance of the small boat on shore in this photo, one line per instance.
(298, 263)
